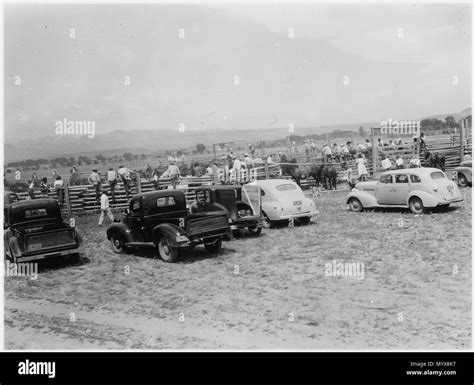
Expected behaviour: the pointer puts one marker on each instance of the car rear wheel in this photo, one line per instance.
(355, 205)
(268, 222)
(166, 252)
(214, 247)
(416, 205)
(255, 230)
(304, 220)
(118, 244)
(462, 180)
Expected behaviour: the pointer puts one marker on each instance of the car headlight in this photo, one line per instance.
(181, 238)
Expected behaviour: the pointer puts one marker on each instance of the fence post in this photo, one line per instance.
(461, 141)
(139, 183)
(374, 154)
(267, 172)
(67, 199)
(215, 174)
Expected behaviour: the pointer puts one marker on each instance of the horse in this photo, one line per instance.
(291, 170)
(324, 175)
(329, 176)
(435, 160)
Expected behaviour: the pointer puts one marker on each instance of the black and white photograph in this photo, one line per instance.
(237, 176)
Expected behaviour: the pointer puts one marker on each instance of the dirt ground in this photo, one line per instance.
(269, 292)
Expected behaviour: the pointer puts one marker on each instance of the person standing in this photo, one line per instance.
(112, 180)
(31, 189)
(173, 173)
(59, 188)
(386, 164)
(94, 180)
(44, 188)
(124, 174)
(399, 162)
(313, 147)
(105, 208)
(361, 169)
(327, 153)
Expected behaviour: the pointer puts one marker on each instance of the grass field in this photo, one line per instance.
(270, 292)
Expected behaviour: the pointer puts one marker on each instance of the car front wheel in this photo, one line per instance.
(355, 205)
(255, 230)
(118, 244)
(214, 247)
(462, 180)
(166, 252)
(416, 205)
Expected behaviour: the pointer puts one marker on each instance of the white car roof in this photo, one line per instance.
(272, 183)
(424, 171)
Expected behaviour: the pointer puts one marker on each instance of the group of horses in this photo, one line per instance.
(326, 174)
(323, 175)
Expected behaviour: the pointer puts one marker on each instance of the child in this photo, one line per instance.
(104, 208)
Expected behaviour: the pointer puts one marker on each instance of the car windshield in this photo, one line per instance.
(286, 187)
(437, 175)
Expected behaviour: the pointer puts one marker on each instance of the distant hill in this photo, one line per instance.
(456, 115)
(151, 141)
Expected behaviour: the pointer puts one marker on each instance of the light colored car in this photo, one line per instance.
(283, 199)
(463, 173)
(418, 189)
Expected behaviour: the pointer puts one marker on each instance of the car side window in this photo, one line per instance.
(401, 178)
(135, 206)
(415, 179)
(386, 179)
(165, 201)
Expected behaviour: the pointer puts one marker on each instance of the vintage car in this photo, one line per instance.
(162, 220)
(463, 173)
(419, 189)
(242, 202)
(34, 229)
(283, 200)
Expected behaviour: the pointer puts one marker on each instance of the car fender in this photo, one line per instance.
(120, 229)
(429, 200)
(466, 171)
(14, 246)
(269, 208)
(170, 231)
(366, 199)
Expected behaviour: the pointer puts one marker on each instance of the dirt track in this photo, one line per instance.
(270, 292)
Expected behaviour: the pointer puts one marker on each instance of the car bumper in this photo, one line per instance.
(240, 223)
(300, 215)
(52, 254)
(446, 202)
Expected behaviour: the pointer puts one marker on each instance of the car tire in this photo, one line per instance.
(165, 251)
(214, 247)
(304, 220)
(74, 258)
(255, 230)
(118, 244)
(355, 205)
(270, 224)
(416, 205)
(462, 180)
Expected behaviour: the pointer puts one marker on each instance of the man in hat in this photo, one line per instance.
(124, 174)
(105, 208)
(94, 180)
(327, 153)
(173, 173)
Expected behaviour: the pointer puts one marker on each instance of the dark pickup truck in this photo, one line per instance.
(161, 219)
(242, 202)
(34, 230)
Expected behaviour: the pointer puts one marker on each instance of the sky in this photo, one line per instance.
(245, 66)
